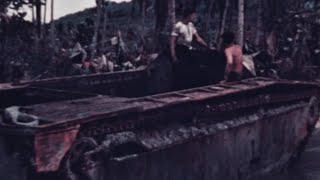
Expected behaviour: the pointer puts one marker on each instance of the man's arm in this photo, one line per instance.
(173, 48)
(200, 40)
(229, 63)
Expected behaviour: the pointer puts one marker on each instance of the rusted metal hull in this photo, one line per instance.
(122, 84)
(251, 148)
(232, 131)
(25, 95)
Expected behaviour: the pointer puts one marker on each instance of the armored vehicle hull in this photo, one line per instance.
(229, 131)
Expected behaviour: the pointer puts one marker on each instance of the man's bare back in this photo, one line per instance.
(234, 67)
(234, 58)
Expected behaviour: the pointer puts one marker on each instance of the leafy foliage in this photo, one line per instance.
(13, 4)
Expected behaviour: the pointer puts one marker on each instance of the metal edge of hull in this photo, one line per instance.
(315, 94)
(250, 148)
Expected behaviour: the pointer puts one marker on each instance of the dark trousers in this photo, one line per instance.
(198, 68)
(234, 76)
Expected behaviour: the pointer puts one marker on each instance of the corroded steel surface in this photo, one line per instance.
(213, 99)
(307, 167)
(215, 152)
(26, 95)
(86, 80)
(117, 83)
(51, 147)
(244, 123)
(124, 84)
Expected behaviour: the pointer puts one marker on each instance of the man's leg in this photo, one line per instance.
(180, 69)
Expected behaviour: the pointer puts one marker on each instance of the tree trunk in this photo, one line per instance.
(272, 44)
(32, 14)
(274, 10)
(259, 23)
(45, 12)
(43, 27)
(223, 22)
(143, 14)
(38, 15)
(241, 22)
(172, 14)
(52, 11)
(52, 28)
(229, 23)
(96, 31)
(161, 14)
(143, 7)
(133, 8)
(104, 38)
(209, 14)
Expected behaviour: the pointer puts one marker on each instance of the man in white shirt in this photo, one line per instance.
(191, 67)
(183, 34)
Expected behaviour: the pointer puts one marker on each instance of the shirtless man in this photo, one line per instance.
(234, 67)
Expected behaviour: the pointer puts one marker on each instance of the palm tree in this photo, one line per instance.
(209, 14)
(161, 14)
(104, 31)
(142, 7)
(96, 31)
(52, 11)
(32, 13)
(241, 22)
(259, 22)
(172, 13)
(38, 16)
(52, 31)
(45, 11)
(223, 22)
(143, 12)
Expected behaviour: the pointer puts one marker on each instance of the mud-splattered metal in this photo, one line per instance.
(231, 131)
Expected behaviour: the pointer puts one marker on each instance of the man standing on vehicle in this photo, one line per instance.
(183, 34)
(234, 55)
(186, 60)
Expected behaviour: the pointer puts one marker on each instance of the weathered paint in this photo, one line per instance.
(233, 153)
(307, 167)
(225, 147)
(51, 147)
